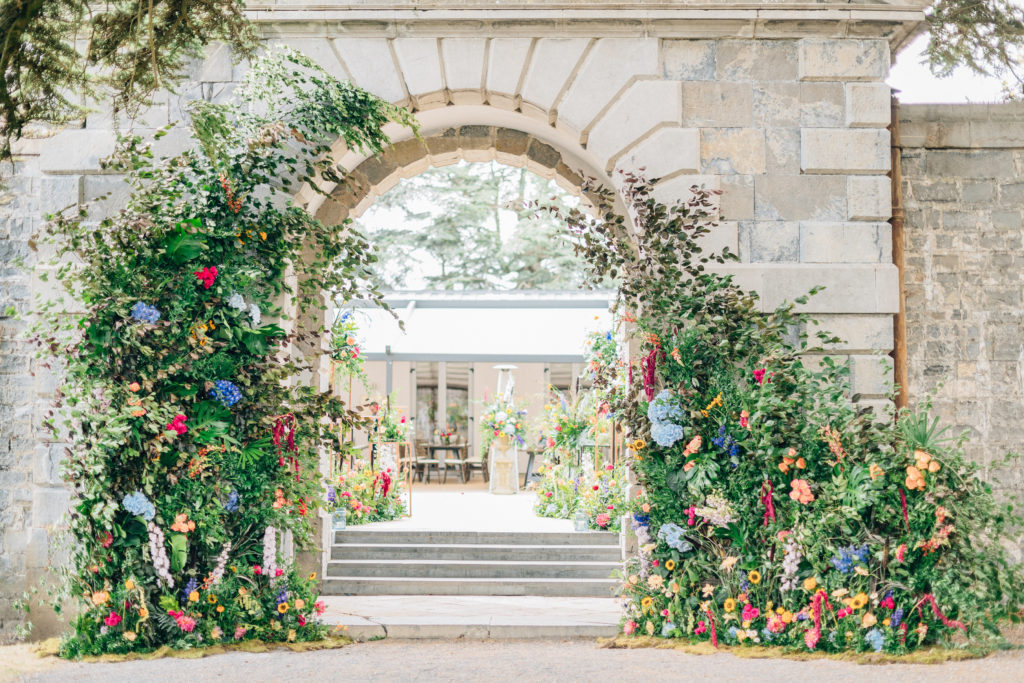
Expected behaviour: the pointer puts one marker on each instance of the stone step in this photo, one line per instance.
(483, 552)
(476, 537)
(437, 569)
(360, 585)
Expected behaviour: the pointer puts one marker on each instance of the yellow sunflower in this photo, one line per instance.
(754, 577)
(212, 599)
(859, 600)
(670, 564)
(282, 608)
(730, 605)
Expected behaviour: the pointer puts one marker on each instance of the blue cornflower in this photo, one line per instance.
(137, 504)
(232, 503)
(608, 336)
(192, 585)
(875, 639)
(145, 313)
(225, 392)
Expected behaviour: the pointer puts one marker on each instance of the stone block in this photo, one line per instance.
(859, 333)
(978, 191)
(37, 549)
(644, 106)
(825, 150)
(420, 63)
(678, 188)
(730, 151)
(666, 151)
(216, 64)
(57, 193)
(76, 151)
(607, 68)
(320, 50)
(870, 376)
(868, 198)
(802, 197)
(769, 241)
(782, 150)
(757, 60)
(49, 505)
(822, 105)
(777, 104)
(372, 67)
(105, 195)
(510, 145)
(724, 235)
(843, 60)
(935, 190)
(845, 242)
(689, 60)
(737, 199)
(554, 60)
(849, 288)
(505, 64)
(976, 164)
(868, 105)
(463, 62)
(718, 104)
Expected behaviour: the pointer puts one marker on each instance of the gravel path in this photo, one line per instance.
(550, 660)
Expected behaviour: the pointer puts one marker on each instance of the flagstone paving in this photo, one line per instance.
(517, 660)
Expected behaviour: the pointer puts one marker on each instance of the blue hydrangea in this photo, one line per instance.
(145, 313)
(768, 635)
(192, 585)
(666, 628)
(732, 631)
(666, 433)
(225, 392)
(232, 503)
(672, 534)
(137, 504)
(664, 408)
(875, 639)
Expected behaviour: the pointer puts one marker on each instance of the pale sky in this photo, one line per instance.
(917, 84)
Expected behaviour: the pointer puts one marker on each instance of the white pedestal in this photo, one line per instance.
(504, 467)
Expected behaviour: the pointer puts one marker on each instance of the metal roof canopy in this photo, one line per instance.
(484, 326)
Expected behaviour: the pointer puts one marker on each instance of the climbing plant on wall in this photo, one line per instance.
(774, 510)
(191, 450)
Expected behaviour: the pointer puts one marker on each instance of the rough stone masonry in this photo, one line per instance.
(782, 105)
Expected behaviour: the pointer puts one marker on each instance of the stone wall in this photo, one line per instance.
(963, 187)
(784, 108)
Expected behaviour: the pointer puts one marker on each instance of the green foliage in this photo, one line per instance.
(776, 508)
(565, 489)
(476, 228)
(132, 49)
(987, 36)
(178, 394)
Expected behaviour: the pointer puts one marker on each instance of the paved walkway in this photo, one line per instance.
(472, 616)
(550, 660)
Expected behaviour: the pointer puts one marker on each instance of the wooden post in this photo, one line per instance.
(899, 352)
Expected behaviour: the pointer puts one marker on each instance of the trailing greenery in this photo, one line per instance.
(132, 48)
(192, 448)
(774, 509)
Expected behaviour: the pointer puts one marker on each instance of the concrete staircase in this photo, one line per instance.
(472, 563)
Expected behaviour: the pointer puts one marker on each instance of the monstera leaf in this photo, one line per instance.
(179, 551)
(182, 246)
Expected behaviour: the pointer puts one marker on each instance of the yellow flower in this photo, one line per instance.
(233, 568)
(859, 600)
(212, 599)
(193, 596)
(810, 583)
(754, 577)
(143, 613)
(639, 445)
(129, 584)
(730, 605)
(886, 621)
(220, 609)
(787, 617)
(670, 564)
(868, 620)
(291, 635)
(282, 608)
(312, 576)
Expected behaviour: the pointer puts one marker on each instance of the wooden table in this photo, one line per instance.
(456, 448)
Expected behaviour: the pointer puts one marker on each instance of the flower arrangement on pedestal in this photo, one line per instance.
(188, 442)
(345, 346)
(503, 419)
(774, 508)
